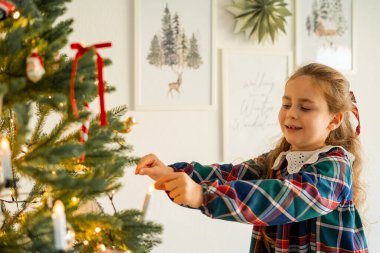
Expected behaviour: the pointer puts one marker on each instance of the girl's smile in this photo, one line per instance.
(292, 127)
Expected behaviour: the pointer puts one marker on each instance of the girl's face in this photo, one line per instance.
(304, 116)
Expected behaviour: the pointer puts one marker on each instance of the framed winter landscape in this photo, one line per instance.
(253, 85)
(174, 55)
(325, 33)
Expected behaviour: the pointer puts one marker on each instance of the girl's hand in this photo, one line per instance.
(151, 166)
(182, 189)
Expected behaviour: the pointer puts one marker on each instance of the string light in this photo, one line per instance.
(75, 200)
(16, 15)
(22, 218)
(24, 22)
(85, 242)
(97, 229)
(49, 97)
(24, 148)
(53, 172)
(102, 247)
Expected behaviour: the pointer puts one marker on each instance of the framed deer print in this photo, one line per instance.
(325, 33)
(174, 55)
(253, 85)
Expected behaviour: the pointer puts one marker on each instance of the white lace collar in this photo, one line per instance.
(296, 159)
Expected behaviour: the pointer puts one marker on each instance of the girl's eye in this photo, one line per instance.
(286, 106)
(305, 109)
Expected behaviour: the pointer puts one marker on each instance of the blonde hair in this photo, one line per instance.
(336, 90)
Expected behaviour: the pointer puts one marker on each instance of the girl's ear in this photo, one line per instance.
(336, 121)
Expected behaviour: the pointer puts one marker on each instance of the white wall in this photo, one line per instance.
(176, 136)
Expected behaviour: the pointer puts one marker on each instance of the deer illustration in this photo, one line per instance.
(175, 85)
(322, 31)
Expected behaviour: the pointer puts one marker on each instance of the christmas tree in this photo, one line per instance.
(50, 177)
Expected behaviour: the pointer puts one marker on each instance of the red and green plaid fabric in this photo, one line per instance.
(308, 211)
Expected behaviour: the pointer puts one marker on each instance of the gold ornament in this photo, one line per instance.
(128, 124)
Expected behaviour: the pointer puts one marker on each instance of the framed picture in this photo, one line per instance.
(174, 54)
(253, 86)
(325, 33)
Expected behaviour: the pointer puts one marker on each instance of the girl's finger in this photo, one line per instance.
(161, 188)
(179, 200)
(161, 182)
(176, 192)
(173, 184)
(146, 161)
(147, 171)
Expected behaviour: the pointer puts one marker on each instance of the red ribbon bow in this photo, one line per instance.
(100, 64)
(355, 111)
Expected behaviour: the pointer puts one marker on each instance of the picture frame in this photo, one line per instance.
(325, 33)
(174, 55)
(253, 86)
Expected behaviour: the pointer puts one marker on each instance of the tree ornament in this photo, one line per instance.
(84, 130)
(8, 9)
(34, 67)
(128, 124)
(259, 18)
(101, 89)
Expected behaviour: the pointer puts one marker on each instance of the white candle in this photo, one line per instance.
(59, 222)
(147, 199)
(1, 176)
(6, 161)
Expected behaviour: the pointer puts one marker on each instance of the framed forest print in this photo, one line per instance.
(253, 85)
(174, 55)
(325, 33)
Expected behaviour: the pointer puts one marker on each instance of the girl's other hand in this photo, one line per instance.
(182, 189)
(151, 166)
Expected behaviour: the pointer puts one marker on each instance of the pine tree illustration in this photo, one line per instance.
(173, 49)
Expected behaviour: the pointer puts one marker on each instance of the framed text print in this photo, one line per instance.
(325, 33)
(253, 86)
(174, 54)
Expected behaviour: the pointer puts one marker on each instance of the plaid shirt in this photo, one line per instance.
(308, 211)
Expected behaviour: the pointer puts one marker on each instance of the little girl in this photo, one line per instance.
(301, 196)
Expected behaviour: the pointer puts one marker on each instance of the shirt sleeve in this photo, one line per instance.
(314, 191)
(223, 173)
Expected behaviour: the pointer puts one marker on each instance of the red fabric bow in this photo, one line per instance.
(355, 111)
(100, 64)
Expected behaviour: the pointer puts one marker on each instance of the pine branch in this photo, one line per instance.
(41, 120)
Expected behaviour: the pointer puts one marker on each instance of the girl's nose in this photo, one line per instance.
(292, 113)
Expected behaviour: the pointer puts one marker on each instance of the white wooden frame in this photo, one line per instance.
(253, 84)
(336, 58)
(140, 77)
